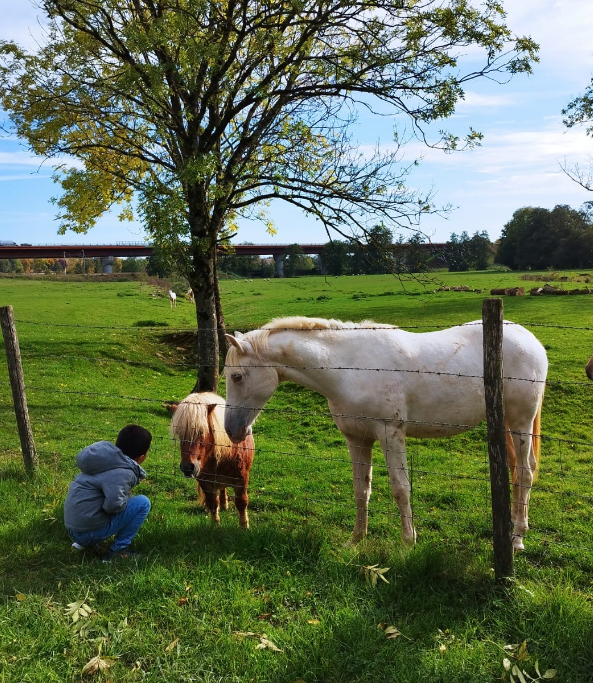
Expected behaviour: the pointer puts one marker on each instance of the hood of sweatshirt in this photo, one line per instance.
(104, 455)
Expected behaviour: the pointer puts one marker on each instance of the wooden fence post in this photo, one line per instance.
(492, 323)
(17, 383)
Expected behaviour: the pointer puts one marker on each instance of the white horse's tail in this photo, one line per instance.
(535, 442)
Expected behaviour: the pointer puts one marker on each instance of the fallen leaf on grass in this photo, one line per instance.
(372, 572)
(170, 646)
(264, 644)
(98, 663)
(78, 610)
(313, 622)
(182, 601)
(21, 597)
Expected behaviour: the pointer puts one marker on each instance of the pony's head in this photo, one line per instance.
(250, 382)
(198, 425)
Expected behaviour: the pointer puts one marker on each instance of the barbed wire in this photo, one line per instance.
(166, 364)
(166, 328)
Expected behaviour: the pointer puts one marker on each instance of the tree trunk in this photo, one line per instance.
(202, 279)
(222, 343)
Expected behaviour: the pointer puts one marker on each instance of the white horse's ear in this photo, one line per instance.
(234, 341)
(239, 335)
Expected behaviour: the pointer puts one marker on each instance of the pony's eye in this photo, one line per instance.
(236, 377)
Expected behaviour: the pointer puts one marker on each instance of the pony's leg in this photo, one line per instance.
(522, 487)
(362, 472)
(241, 502)
(393, 443)
(224, 501)
(212, 505)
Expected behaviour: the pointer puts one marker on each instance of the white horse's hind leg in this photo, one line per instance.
(362, 472)
(522, 487)
(394, 448)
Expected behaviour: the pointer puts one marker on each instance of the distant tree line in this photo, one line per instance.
(72, 266)
(463, 252)
(542, 238)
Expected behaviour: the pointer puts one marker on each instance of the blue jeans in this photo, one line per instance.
(124, 525)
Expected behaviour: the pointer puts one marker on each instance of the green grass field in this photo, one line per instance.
(99, 355)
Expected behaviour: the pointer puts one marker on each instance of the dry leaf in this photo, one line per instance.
(170, 646)
(264, 643)
(372, 572)
(313, 622)
(182, 601)
(264, 616)
(21, 597)
(506, 664)
(442, 648)
(98, 663)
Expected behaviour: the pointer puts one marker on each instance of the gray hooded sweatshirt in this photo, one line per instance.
(103, 487)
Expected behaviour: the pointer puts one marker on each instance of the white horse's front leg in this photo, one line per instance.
(362, 471)
(393, 443)
(522, 487)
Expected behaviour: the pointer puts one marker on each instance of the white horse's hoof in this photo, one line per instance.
(518, 546)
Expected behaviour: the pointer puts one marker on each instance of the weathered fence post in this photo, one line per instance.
(492, 323)
(17, 383)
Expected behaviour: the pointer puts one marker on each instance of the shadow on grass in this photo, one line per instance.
(276, 581)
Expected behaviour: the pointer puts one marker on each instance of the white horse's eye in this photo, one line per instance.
(236, 377)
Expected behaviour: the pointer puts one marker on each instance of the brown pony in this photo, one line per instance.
(209, 456)
(589, 368)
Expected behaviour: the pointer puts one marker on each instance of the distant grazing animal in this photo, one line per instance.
(172, 298)
(383, 384)
(589, 368)
(190, 295)
(209, 456)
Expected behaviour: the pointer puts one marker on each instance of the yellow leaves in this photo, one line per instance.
(21, 597)
(372, 572)
(171, 646)
(264, 642)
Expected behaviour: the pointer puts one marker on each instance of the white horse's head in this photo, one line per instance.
(250, 382)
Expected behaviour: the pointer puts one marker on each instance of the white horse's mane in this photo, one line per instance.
(259, 338)
(190, 421)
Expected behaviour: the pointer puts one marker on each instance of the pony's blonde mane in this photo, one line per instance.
(192, 421)
(259, 338)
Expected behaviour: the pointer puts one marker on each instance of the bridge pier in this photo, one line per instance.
(279, 260)
(107, 263)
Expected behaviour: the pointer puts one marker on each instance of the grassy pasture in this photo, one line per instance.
(97, 356)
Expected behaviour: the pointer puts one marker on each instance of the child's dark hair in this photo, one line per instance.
(134, 441)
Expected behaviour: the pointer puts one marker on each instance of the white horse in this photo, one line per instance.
(189, 295)
(383, 383)
(172, 299)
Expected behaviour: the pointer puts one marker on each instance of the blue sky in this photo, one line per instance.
(518, 164)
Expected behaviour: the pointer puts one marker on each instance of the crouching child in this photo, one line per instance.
(99, 503)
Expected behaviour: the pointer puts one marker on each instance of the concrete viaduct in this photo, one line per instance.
(106, 252)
